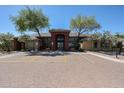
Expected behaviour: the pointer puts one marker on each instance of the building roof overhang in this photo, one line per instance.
(59, 30)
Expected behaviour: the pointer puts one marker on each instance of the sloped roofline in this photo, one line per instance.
(59, 30)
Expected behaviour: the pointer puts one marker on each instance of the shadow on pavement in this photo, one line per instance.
(48, 53)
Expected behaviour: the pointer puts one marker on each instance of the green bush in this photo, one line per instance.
(81, 50)
(5, 41)
(77, 46)
(23, 50)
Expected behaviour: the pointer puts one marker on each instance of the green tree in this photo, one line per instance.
(119, 39)
(30, 20)
(96, 36)
(106, 35)
(106, 39)
(5, 41)
(119, 36)
(83, 24)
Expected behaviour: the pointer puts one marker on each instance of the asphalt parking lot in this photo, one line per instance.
(65, 70)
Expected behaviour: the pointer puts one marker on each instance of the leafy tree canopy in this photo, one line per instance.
(107, 35)
(83, 24)
(5, 41)
(30, 20)
(96, 36)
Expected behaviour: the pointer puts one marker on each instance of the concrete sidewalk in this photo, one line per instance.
(12, 54)
(108, 57)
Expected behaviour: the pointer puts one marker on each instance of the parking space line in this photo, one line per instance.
(87, 58)
(65, 58)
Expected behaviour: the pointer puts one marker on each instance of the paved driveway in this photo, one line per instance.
(65, 70)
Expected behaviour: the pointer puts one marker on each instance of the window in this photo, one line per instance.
(60, 38)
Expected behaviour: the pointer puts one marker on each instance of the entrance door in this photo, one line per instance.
(95, 45)
(60, 42)
(60, 45)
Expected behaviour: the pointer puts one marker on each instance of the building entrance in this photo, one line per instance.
(60, 42)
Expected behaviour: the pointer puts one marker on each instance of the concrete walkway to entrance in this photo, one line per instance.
(12, 55)
(108, 57)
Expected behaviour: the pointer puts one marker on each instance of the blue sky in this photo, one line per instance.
(110, 17)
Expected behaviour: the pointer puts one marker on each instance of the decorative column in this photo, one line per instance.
(66, 41)
(53, 41)
(36, 45)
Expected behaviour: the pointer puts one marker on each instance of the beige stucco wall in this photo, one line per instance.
(86, 45)
(89, 44)
(30, 44)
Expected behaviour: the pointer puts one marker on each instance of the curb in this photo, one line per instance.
(105, 57)
(11, 55)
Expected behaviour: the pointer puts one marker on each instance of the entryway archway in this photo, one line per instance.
(59, 39)
(60, 42)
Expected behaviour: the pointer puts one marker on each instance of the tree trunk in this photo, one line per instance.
(77, 42)
(40, 45)
(38, 32)
(78, 39)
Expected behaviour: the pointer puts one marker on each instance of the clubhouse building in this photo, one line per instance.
(56, 39)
